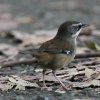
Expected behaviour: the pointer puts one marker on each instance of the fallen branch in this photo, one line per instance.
(88, 55)
(30, 61)
(13, 63)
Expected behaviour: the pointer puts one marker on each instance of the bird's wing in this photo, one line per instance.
(55, 46)
(47, 49)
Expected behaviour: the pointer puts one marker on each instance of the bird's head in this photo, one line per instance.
(70, 29)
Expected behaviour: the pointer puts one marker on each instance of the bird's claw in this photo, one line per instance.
(66, 88)
(46, 88)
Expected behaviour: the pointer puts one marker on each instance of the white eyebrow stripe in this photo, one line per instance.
(77, 24)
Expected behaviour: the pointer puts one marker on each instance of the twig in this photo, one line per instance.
(30, 61)
(13, 63)
(88, 55)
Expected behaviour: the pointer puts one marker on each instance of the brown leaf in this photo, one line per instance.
(20, 87)
(87, 84)
(18, 81)
(51, 78)
(89, 72)
(29, 78)
(6, 86)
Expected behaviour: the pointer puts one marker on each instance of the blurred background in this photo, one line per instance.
(30, 15)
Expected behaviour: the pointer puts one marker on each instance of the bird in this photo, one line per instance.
(60, 50)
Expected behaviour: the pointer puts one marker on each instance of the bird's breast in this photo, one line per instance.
(61, 60)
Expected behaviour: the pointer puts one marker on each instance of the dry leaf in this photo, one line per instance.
(51, 78)
(20, 87)
(89, 72)
(19, 81)
(76, 73)
(95, 75)
(6, 86)
(29, 78)
(87, 84)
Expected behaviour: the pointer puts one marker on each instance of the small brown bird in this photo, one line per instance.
(59, 51)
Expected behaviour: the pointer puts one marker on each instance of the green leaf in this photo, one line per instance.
(97, 47)
(93, 45)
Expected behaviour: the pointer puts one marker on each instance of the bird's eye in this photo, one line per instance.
(77, 27)
(80, 26)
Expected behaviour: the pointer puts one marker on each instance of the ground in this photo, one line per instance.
(26, 24)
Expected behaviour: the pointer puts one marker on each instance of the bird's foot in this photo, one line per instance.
(46, 88)
(69, 87)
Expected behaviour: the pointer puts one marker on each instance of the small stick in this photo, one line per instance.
(13, 63)
(87, 55)
(30, 61)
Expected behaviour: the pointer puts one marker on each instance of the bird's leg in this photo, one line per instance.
(43, 72)
(63, 85)
(44, 84)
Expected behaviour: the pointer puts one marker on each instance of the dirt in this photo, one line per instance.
(45, 14)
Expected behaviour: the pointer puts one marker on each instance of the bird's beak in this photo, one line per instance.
(84, 25)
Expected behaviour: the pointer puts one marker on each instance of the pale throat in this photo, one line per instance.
(75, 35)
